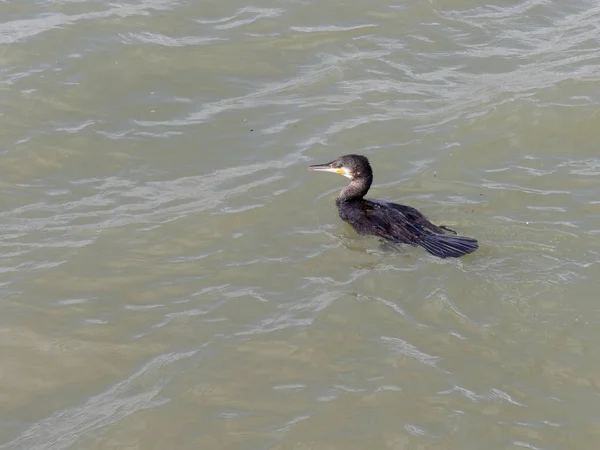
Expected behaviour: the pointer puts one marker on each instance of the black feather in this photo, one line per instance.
(446, 246)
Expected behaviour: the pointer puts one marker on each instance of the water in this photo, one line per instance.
(173, 277)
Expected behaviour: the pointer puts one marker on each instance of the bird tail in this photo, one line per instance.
(445, 246)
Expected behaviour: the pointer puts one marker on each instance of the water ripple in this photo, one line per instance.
(63, 429)
(20, 30)
(155, 200)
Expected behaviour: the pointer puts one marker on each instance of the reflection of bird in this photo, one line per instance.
(398, 224)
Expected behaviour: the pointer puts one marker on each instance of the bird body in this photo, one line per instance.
(395, 223)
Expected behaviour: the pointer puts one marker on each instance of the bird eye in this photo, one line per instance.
(339, 166)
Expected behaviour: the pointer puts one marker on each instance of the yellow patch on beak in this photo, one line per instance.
(340, 172)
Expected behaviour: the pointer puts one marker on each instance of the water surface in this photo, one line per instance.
(173, 277)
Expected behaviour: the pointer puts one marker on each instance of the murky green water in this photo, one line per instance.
(173, 277)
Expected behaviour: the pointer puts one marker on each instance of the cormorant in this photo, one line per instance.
(397, 224)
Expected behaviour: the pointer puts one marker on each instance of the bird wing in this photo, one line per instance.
(404, 225)
(412, 217)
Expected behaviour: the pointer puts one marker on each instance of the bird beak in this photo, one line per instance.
(327, 168)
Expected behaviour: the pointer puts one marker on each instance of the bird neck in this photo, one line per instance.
(356, 190)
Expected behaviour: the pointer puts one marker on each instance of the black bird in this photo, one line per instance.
(397, 224)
